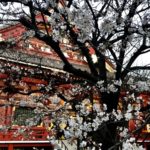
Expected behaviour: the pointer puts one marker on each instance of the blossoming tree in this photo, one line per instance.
(117, 32)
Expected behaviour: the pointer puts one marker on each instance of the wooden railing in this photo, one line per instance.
(24, 134)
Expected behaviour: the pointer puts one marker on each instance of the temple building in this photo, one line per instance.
(26, 66)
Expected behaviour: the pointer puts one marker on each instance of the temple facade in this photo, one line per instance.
(26, 66)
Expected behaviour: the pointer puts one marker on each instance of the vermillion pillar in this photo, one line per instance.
(10, 147)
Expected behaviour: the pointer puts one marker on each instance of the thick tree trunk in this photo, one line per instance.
(110, 99)
(107, 133)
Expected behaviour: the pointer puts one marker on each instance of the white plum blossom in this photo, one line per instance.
(48, 87)
(67, 134)
(111, 88)
(130, 144)
(130, 81)
(71, 122)
(55, 99)
(104, 107)
(107, 25)
(96, 124)
(142, 86)
(129, 108)
(23, 103)
(100, 83)
(96, 107)
(128, 116)
(118, 115)
(83, 144)
(124, 132)
(79, 119)
(118, 82)
(78, 133)
(137, 107)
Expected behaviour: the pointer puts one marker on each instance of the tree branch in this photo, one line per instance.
(132, 60)
(140, 68)
(143, 52)
(85, 50)
(132, 133)
(102, 8)
(55, 46)
(128, 22)
(95, 19)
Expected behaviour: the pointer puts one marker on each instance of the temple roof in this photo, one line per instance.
(37, 52)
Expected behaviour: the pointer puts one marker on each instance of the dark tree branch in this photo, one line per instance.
(101, 13)
(101, 66)
(117, 39)
(132, 60)
(95, 20)
(69, 3)
(128, 22)
(55, 46)
(129, 135)
(117, 3)
(44, 21)
(85, 50)
(113, 54)
(32, 13)
(139, 68)
(143, 9)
